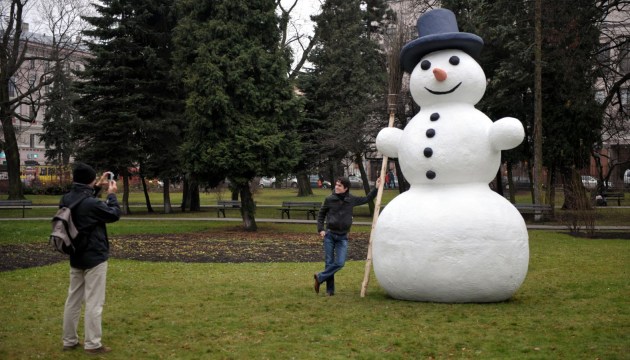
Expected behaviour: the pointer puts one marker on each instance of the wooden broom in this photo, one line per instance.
(394, 84)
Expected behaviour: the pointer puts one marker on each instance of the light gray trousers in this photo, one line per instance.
(89, 286)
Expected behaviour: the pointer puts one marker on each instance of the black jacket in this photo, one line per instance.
(90, 217)
(337, 211)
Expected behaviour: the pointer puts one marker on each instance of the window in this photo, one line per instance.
(12, 87)
(31, 81)
(32, 141)
(624, 57)
(603, 56)
(600, 95)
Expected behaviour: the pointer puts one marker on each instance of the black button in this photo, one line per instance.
(435, 116)
(428, 152)
(430, 175)
(430, 133)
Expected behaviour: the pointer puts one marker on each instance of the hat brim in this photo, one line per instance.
(414, 50)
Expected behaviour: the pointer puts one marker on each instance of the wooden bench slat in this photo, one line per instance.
(615, 196)
(16, 204)
(310, 207)
(223, 205)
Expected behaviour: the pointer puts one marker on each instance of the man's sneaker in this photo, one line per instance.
(97, 351)
(316, 283)
(71, 347)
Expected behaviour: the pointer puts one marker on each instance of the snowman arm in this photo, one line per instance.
(506, 133)
(387, 141)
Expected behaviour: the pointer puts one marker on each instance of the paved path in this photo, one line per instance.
(296, 221)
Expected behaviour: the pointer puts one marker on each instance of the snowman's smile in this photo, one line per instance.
(443, 92)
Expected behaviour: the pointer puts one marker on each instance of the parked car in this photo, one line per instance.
(267, 182)
(355, 181)
(313, 180)
(626, 177)
(590, 182)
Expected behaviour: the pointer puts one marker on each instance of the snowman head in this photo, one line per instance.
(438, 30)
(447, 76)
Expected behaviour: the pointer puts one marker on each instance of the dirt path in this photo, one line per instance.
(234, 246)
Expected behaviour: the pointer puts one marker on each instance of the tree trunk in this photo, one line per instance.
(510, 181)
(248, 209)
(185, 194)
(125, 203)
(147, 199)
(304, 184)
(537, 180)
(574, 193)
(195, 202)
(16, 192)
(403, 185)
(168, 209)
(499, 188)
(366, 182)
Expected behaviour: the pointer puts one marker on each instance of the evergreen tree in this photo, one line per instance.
(346, 88)
(240, 106)
(571, 119)
(129, 102)
(59, 114)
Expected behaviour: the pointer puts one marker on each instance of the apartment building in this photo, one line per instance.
(32, 150)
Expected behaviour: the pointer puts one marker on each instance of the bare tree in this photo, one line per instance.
(27, 61)
(613, 60)
(294, 34)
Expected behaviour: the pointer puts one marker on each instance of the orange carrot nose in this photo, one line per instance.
(440, 75)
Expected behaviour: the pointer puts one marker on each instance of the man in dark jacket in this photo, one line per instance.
(336, 212)
(88, 265)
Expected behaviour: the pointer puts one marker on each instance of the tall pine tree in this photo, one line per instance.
(240, 105)
(128, 100)
(346, 87)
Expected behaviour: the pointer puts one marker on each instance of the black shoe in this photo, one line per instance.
(328, 293)
(98, 351)
(71, 347)
(316, 284)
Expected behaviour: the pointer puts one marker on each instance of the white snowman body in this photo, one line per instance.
(450, 238)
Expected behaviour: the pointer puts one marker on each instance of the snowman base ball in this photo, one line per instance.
(453, 244)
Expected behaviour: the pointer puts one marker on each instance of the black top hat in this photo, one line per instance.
(437, 30)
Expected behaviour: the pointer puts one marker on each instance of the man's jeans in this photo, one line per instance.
(336, 250)
(89, 286)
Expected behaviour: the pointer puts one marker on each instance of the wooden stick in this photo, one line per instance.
(377, 207)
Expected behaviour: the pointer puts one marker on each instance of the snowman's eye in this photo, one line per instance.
(425, 65)
(454, 60)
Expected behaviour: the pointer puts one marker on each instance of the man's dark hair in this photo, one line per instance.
(344, 181)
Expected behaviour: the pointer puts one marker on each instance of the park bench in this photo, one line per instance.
(309, 207)
(16, 204)
(614, 196)
(223, 205)
(535, 209)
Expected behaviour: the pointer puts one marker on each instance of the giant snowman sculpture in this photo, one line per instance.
(450, 238)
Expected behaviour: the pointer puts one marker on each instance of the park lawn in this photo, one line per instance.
(33, 231)
(572, 305)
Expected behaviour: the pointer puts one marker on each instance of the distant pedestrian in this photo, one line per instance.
(88, 265)
(387, 179)
(391, 179)
(333, 223)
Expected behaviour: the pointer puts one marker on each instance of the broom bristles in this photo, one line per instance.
(394, 70)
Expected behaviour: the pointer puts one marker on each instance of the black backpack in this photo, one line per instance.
(64, 233)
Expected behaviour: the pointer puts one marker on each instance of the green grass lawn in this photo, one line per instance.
(572, 305)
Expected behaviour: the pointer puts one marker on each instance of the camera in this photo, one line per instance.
(110, 176)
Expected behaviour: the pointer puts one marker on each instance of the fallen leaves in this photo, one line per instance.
(225, 246)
